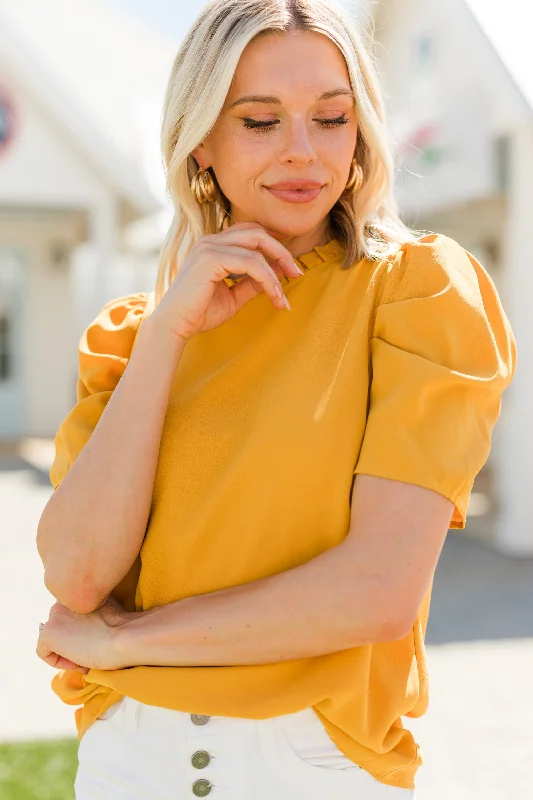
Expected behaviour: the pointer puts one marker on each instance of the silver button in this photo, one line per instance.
(200, 719)
(200, 759)
(201, 788)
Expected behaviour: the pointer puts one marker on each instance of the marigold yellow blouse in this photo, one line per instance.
(394, 368)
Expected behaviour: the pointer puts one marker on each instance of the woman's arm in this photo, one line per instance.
(365, 590)
(92, 528)
(319, 607)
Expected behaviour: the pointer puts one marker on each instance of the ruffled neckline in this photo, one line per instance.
(320, 254)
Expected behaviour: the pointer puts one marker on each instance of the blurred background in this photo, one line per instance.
(83, 213)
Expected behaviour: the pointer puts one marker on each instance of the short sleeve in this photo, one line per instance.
(103, 353)
(442, 353)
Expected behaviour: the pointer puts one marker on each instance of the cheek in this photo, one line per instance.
(338, 146)
(255, 148)
(244, 160)
(338, 159)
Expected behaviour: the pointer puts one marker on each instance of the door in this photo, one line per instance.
(12, 350)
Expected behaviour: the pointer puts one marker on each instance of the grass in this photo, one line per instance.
(38, 770)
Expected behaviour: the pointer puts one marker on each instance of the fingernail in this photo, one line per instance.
(287, 304)
(298, 268)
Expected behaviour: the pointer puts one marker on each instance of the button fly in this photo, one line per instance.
(200, 719)
(200, 759)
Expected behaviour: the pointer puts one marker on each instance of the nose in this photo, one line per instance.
(298, 147)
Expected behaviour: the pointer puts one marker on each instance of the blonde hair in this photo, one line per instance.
(366, 222)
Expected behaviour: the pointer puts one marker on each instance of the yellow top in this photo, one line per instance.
(394, 368)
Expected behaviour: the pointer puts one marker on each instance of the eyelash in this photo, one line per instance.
(265, 125)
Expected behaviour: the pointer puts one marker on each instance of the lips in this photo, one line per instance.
(300, 195)
(295, 185)
(295, 191)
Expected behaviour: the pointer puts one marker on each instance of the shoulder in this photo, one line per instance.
(429, 265)
(126, 311)
(437, 300)
(115, 326)
(106, 344)
(103, 353)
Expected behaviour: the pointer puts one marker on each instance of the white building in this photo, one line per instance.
(81, 90)
(459, 83)
(81, 185)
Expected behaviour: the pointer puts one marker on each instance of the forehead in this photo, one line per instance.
(290, 64)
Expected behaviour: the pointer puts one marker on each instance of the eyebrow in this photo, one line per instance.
(256, 98)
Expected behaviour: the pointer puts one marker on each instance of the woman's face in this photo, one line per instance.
(291, 130)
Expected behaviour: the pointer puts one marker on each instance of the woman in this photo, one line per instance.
(237, 614)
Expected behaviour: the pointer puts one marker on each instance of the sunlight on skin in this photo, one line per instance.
(296, 68)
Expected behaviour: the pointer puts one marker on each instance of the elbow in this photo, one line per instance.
(396, 624)
(377, 628)
(41, 537)
(389, 618)
(395, 629)
(78, 596)
(63, 580)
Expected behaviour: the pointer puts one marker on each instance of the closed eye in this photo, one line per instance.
(253, 124)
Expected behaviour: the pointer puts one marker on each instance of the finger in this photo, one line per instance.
(244, 291)
(65, 663)
(48, 656)
(59, 662)
(255, 237)
(51, 658)
(262, 278)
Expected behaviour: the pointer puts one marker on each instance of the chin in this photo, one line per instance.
(287, 228)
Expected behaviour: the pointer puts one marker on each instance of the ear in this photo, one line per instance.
(200, 154)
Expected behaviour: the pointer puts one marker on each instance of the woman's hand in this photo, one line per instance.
(82, 641)
(198, 299)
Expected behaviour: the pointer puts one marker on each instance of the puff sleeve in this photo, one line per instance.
(103, 353)
(442, 353)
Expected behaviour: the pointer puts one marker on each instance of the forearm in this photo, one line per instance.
(93, 525)
(322, 606)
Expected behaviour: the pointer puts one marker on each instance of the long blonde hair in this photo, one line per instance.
(366, 222)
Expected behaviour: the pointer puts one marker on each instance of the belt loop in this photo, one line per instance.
(131, 713)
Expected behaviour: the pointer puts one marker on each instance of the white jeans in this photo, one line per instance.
(136, 751)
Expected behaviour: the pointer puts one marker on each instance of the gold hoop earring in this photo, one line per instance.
(203, 186)
(355, 178)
